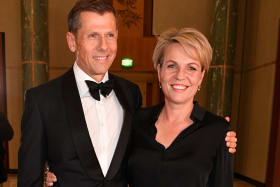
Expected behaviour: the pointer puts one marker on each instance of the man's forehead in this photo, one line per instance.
(97, 15)
(106, 20)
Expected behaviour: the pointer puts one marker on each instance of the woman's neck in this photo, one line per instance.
(172, 112)
(172, 121)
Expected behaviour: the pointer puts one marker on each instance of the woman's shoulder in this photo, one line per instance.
(211, 126)
(217, 123)
(209, 119)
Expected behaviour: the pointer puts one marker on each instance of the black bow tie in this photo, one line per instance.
(105, 88)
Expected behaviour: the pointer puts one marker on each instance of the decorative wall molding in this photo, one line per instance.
(128, 14)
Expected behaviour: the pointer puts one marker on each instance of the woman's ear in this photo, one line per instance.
(158, 72)
(202, 76)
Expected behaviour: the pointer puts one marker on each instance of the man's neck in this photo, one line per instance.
(96, 77)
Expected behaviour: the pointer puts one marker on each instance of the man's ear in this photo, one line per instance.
(71, 41)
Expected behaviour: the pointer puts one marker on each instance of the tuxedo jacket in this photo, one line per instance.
(54, 130)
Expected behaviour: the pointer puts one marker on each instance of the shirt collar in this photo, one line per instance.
(197, 115)
(198, 112)
(81, 77)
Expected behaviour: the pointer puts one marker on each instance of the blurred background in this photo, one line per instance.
(243, 81)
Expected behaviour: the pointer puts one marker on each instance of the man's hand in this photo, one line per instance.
(231, 141)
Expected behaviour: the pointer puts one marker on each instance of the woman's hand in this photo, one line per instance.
(50, 178)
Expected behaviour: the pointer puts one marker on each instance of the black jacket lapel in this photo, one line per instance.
(125, 132)
(77, 123)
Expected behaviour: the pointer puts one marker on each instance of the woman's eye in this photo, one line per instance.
(171, 66)
(192, 68)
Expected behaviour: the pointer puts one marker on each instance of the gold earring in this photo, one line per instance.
(198, 89)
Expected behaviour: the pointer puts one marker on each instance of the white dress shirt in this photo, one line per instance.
(104, 119)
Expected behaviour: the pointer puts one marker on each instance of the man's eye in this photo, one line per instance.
(110, 35)
(92, 35)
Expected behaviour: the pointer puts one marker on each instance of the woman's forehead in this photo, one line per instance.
(176, 52)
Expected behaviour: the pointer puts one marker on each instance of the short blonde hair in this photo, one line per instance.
(190, 39)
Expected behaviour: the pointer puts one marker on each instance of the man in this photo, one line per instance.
(63, 125)
(82, 135)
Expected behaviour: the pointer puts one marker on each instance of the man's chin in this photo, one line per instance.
(100, 71)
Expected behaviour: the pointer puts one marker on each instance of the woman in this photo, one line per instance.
(178, 143)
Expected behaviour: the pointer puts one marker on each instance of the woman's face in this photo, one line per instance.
(180, 75)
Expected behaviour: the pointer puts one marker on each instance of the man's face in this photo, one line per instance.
(95, 43)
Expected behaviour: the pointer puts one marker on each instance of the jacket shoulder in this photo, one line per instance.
(48, 89)
(131, 92)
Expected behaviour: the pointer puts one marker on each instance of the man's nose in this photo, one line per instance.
(103, 43)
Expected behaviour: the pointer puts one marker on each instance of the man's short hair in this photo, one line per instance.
(97, 6)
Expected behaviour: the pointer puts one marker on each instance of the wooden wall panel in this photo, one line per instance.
(148, 84)
(130, 17)
(273, 171)
(133, 42)
(140, 49)
(148, 17)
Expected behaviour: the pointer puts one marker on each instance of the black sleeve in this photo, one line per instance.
(6, 131)
(222, 174)
(32, 151)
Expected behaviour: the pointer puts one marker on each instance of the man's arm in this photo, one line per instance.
(32, 152)
(231, 139)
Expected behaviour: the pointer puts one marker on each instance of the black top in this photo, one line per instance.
(198, 157)
(6, 131)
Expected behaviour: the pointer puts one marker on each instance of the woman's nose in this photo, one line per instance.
(180, 74)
